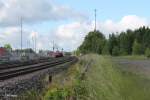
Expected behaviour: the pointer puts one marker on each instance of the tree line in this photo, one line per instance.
(130, 42)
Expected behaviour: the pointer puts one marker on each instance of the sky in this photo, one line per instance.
(66, 22)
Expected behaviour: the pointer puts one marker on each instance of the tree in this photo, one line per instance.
(126, 40)
(8, 47)
(126, 43)
(105, 50)
(147, 52)
(115, 51)
(93, 43)
(113, 41)
(137, 48)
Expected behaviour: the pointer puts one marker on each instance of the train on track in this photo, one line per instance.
(27, 54)
(55, 54)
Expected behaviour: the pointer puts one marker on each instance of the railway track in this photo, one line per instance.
(15, 64)
(9, 71)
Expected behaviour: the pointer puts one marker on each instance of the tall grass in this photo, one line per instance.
(103, 81)
(106, 82)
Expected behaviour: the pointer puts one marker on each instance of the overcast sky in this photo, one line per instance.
(66, 22)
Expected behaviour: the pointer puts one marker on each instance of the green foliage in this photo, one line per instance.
(115, 51)
(93, 43)
(126, 40)
(57, 94)
(147, 52)
(72, 87)
(30, 95)
(105, 50)
(103, 81)
(112, 42)
(80, 90)
(106, 81)
(8, 46)
(76, 52)
(123, 52)
(137, 48)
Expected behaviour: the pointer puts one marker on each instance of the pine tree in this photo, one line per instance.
(137, 48)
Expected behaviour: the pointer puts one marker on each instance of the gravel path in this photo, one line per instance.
(141, 67)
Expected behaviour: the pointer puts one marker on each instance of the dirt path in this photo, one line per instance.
(141, 67)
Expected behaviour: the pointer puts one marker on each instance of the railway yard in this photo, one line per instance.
(18, 76)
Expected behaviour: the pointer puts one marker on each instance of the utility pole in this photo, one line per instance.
(95, 18)
(35, 42)
(62, 50)
(28, 44)
(21, 53)
(21, 34)
(53, 46)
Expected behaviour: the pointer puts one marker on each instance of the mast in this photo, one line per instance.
(53, 46)
(35, 42)
(21, 34)
(95, 18)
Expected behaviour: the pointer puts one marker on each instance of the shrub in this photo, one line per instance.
(137, 48)
(57, 94)
(147, 52)
(115, 51)
(105, 50)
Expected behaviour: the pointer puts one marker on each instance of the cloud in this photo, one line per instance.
(11, 35)
(127, 22)
(70, 36)
(33, 11)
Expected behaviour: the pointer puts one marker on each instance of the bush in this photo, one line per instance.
(115, 51)
(57, 94)
(147, 52)
(123, 52)
(105, 50)
(137, 48)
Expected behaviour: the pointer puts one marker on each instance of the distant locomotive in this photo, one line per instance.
(55, 54)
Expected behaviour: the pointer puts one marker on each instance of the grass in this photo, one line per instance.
(104, 80)
(66, 86)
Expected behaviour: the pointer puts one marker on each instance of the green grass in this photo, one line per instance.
(103, 81)
(106, 82)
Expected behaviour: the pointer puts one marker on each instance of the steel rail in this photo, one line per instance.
(15, 73)
(14, 65)
(30, 66)
(24, 61)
